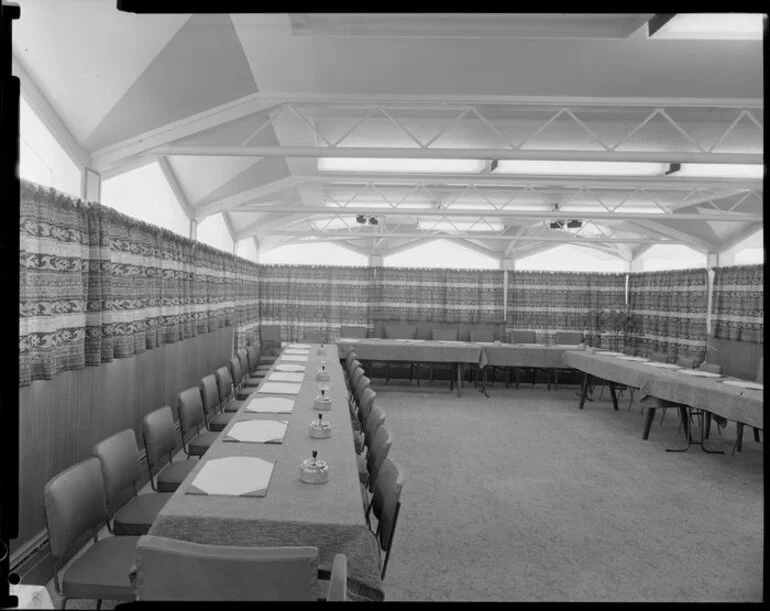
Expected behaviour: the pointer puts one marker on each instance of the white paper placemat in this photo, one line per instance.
(351, 340)
(288, 367)
(660, 365)
(233, 476)
(303, 346)
(299, 358)
(639, 359)
(295, 351)
(700, 374)
(578, 346)
(279, 376)
(608, 353)
(257, 431)
(404, 340)
(279, 388)
(270, 405)
(744, 384)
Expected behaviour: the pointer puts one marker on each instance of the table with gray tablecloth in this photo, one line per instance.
(329, 516)
(707, 394)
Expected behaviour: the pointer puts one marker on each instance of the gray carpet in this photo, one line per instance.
(522, 497)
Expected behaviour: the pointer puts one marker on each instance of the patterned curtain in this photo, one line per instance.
(737, 307)
(303, 299)
(439, 295)
(97, 285)
(547, 302)
(668, 310)
(246, 287)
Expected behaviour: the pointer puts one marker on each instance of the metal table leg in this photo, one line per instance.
(684, 415)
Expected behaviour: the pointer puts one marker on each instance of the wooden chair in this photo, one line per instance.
(269, 342)
(74, 505)
(227, 399)
(352, 331)
(175, 570)
(121, 470)
(159, 435)
(386, 505)
(191, 419)
(216, 419)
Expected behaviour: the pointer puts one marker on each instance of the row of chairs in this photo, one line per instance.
(380, 478)
(104, 491)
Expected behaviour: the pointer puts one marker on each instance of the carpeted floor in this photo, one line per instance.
(522, 497)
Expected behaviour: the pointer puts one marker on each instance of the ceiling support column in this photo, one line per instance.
(91, 185)
(712, 261)
(507, 264)
(193, 229)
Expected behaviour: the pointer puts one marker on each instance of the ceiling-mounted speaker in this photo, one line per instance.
(493, 165)
(556, 224)
(574, 224)
(373, 221)
(361, 219)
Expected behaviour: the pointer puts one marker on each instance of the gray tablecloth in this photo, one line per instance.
(709, 394)
(525, 355)
(329, 516)
(427, 351)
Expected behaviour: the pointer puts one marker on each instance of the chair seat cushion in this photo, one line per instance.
(220, 421)
(173, 475)
(245, 393)
(136, 516)
(255, 380)
(363, 474)
(102, 571)
(358, 439)
(201, 443)
(233, 406)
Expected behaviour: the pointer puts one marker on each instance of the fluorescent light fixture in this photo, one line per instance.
(455, 226)
(400, 165)
(575, 168)
(342, 222)
(379, 205)
(712, 26)
(639, 208)
(721, 170)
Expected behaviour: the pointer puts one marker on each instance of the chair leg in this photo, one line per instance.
(756, 434)
(98, 604)
(738, 437)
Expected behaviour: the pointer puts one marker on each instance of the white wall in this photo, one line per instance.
(144, 193)
(248, 250)
(569, 258)
(746, 252)
(312, 254)
(213, 231)
(440, 253)
(41, 157)
(663, 257)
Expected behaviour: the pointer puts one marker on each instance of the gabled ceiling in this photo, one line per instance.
(241, 108)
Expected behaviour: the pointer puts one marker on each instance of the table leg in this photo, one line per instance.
(614, 396)
(459, 380)
(584, 391)
(684, 414)
(707, 425)
(648, 418)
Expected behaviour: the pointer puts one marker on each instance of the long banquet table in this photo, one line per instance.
(708, 394)
(328, 516)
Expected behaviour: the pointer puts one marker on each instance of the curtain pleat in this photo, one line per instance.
(738, 303)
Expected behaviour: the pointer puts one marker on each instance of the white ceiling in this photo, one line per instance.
(221, 97)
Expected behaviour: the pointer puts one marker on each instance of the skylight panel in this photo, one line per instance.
(400, 165)
(576, 168)
(721, 170)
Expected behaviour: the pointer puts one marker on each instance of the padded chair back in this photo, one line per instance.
(315, 337)
(365, 405)
(224, 384)
(378, 452)
(352, 356)
(355, 364)
(252, 353)
(74, 504)
(357, 374)
(760, 369)
(190, 411)
(568, 338)
(361, 386)
(170, 569)
(400, 331)
(209, 394)
(483, 335)
(374, 420)
(710, 367)
(685, 362)
(236, 372)
(659, 357)
(522, 337)
(244, 359)
(270, 333)
(159, 436)
(352, 331)
(445, 334)
(119, 459)
(385, 500)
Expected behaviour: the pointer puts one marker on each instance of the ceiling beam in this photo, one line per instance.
(116, 153)
(457, 153)
(358, 235)
(408, 245)
(501, 181)
(474, 247)
(244, 197)
(680, 236)
(474, 214)
(739, 237)
(179, 193)
(134, 164)
(48, 116)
